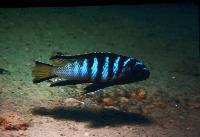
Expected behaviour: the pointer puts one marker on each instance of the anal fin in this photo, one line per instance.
(67, 82)
(96, 86)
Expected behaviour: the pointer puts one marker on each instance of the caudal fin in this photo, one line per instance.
(42, 72)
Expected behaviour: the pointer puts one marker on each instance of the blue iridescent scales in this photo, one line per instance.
(96, 67)
(100, 69)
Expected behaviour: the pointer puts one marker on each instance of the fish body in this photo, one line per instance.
(101, 69)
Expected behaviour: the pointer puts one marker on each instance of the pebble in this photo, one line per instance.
(56, 103)
(125, 127)
(181, 117)
(28, 64)
(79, 86)
(86, 101)
(148, 109)
(138, 94)
(171, 121)
(49, 120)
(86, 134)
(71, 102)
(106, 127)
(107, 101)
(21, 132)
(123, 100)
(188, 128)
(13, 121)
(173, 77)
(111, 107)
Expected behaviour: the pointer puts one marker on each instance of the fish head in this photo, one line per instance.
(136, 71)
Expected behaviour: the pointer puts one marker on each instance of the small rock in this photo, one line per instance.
(13, 121)
(173, 77)
(138, 94)
(123, 100)
(86, 134)
(188, 128)
(95, 107)
(148, 109)
(49, 120)
(106, 127)
(56, 103)
(71, 102)
(44, 120)
(86, 101)
(111, 107)
(21, 132)
(107, 101)
(72, 128)
(171, 121)
(124, 127)
(79, 86)
(28, 64)
(181, 117)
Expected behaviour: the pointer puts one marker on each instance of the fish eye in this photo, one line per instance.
(139, 64)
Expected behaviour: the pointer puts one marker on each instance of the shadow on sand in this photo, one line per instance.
(96, 118)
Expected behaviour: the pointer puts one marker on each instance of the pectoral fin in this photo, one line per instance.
(96, 87)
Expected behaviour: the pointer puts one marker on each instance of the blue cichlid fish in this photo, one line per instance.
(101, 69)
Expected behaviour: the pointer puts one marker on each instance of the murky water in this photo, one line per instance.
(165, 37)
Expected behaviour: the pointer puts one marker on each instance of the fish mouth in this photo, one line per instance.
(146, 73)
(141, 75)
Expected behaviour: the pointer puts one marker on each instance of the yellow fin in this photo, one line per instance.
(42, 72)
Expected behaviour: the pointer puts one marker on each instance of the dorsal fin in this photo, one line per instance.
(61, 59)
(60, 62)
(64, 56)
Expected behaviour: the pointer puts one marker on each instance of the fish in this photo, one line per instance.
(101, 69)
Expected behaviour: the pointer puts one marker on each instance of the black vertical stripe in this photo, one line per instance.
(90, 63)
(111, 65)
(120, 66)
(101, 59)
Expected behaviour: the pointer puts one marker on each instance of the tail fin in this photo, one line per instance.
(42, 72)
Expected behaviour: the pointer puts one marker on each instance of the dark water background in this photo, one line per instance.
(164, 37)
